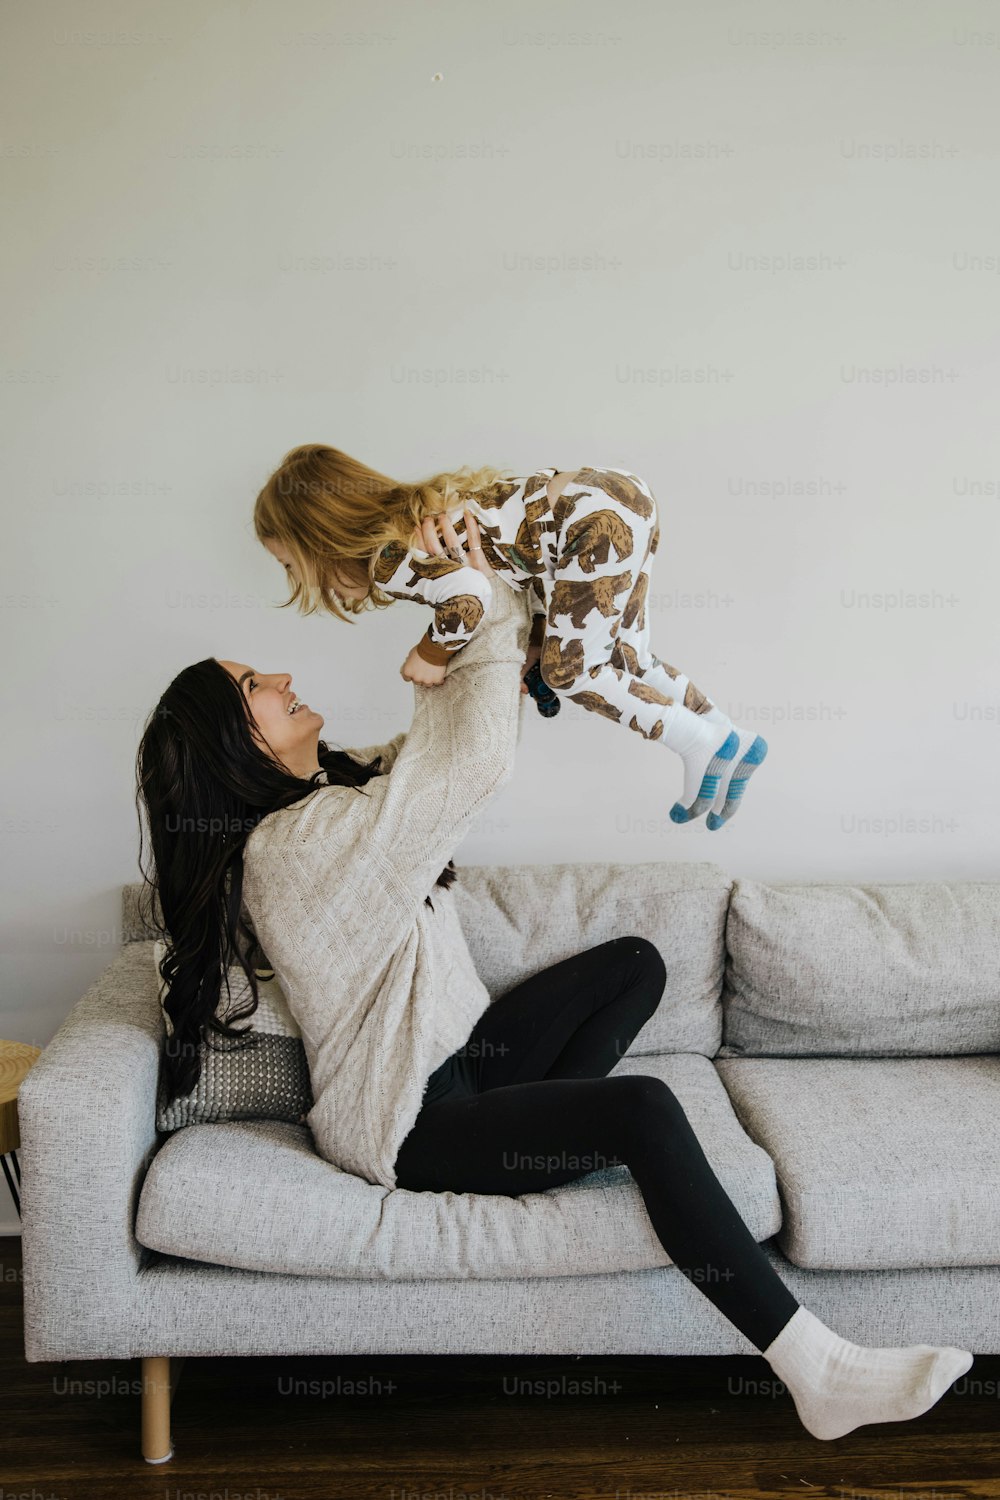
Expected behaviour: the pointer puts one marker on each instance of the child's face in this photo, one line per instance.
(344, 588)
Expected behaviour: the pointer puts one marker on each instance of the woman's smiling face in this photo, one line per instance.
(292, 737)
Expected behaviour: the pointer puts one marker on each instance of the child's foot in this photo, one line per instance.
(714, 775)
(750, 753)
(707, 748)
(837, 1385)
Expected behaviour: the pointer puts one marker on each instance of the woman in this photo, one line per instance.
(338, 867)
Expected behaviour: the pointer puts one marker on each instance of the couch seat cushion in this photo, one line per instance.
(882, 1163)
(255, 1194)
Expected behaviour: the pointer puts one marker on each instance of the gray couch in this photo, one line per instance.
(834, 1046)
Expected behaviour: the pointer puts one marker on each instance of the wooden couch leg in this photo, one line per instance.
(159, 1383)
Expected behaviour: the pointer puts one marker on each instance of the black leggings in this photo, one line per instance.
(531, 1108)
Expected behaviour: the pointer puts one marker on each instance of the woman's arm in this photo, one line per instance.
(385, 845)
(388, 752)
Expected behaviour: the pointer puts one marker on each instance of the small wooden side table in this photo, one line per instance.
(16, 1058)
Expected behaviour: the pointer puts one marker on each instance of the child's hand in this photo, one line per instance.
(532, 655)
(426, 673)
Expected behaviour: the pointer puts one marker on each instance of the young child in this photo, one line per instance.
(341, 526)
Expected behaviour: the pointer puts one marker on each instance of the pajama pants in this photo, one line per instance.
(529, 1089)
(600, 544)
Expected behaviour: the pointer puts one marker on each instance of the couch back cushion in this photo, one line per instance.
(893, 970)
(518, 919)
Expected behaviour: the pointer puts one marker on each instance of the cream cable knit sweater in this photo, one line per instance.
(382, 986)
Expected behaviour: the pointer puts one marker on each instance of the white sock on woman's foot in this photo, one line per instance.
(838, 1385)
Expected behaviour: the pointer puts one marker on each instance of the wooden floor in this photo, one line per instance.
(490, 1427)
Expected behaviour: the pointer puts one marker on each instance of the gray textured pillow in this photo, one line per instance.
(894, 969)
(262, 1076)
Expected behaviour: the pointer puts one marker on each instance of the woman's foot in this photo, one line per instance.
(837, 1385)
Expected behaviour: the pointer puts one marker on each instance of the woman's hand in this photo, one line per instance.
(452, 543)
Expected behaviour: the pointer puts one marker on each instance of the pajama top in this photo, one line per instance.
(513, 516)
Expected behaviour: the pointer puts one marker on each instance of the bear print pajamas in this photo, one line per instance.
(594, 544)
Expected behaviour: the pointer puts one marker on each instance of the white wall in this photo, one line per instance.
(557, 246)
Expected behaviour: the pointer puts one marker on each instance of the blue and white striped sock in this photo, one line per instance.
(718, 762)
(706, 749)
(750, 751)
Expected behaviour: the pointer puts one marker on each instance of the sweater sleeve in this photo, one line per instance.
(388, 752)
(386, 844)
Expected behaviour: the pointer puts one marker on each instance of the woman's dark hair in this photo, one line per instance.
(204, 784)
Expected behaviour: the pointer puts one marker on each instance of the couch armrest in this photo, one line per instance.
(87, 1114)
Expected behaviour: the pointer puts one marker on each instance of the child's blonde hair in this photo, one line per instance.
(325, 507)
